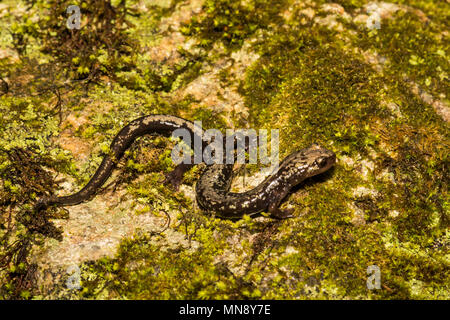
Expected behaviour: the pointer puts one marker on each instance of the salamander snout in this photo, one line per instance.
(326, 161)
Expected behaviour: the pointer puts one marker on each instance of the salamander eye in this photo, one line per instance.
(321, 162)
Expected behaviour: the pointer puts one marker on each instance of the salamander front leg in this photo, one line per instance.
(274, 207)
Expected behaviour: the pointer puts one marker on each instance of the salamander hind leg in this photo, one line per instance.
(175, 177)
(277, 213)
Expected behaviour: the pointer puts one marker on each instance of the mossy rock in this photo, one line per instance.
(315, 70)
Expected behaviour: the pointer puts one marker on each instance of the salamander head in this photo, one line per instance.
(320, 159)
(308, 162)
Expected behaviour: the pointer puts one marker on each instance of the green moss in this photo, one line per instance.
(308, 84)
(146, 268)
(320, 94)
(231, 22)
(419, 53)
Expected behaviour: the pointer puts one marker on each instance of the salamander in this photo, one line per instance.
(213, 188)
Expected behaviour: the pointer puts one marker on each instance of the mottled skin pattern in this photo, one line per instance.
(213, 187)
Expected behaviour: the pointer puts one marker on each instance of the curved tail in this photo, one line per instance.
(160, 124)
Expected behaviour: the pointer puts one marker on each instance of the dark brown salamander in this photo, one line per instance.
(212, 189)
(160, 124)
